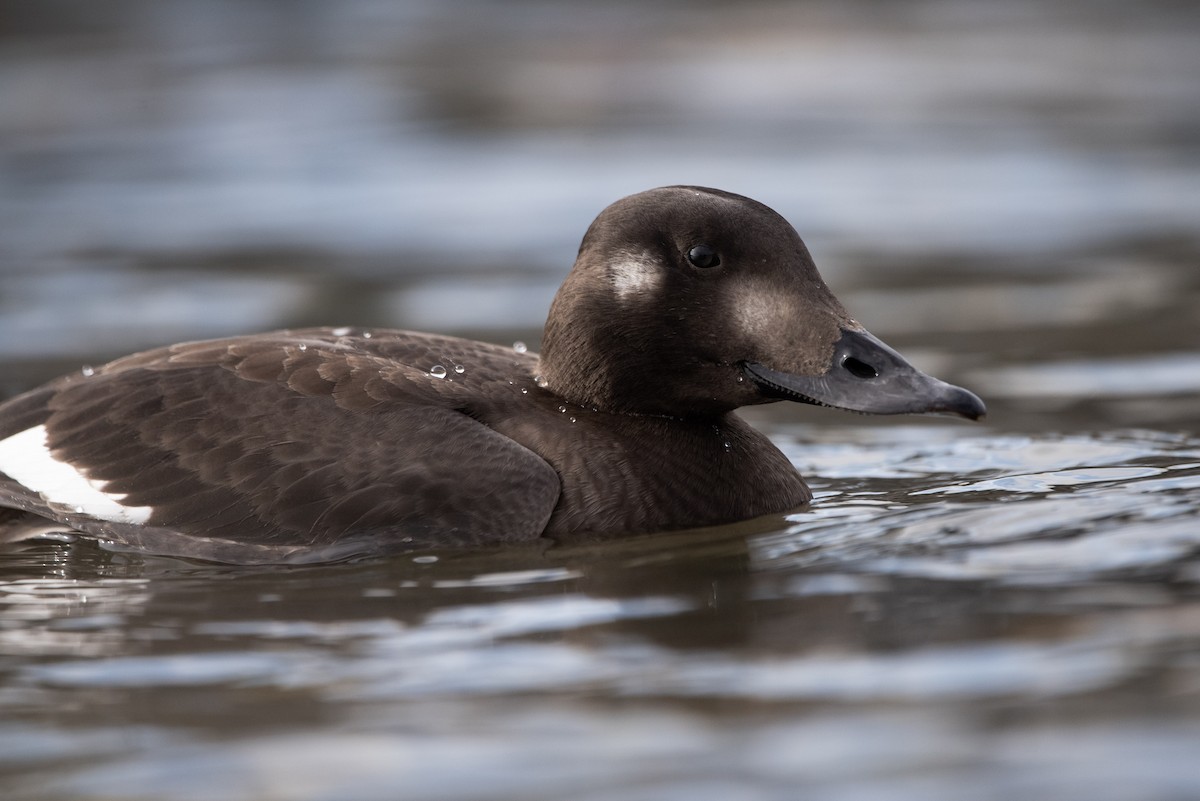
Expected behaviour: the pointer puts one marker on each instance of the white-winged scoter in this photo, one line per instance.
(684, 304)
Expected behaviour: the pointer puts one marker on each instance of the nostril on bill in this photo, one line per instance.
(859, 369)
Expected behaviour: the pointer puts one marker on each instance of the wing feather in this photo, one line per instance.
(286, 441)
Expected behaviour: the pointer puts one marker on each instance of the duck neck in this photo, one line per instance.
(603, 369)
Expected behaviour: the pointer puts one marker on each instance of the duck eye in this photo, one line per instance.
(703, 256)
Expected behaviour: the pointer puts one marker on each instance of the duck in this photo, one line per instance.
(685, 303)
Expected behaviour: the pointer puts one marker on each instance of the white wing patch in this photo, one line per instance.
(26, 457)
(635, 274)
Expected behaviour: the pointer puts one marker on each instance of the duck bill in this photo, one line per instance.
(867, 376)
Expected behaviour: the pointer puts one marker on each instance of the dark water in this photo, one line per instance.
(1009, 193)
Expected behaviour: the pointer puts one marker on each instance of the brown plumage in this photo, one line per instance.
(321, 443)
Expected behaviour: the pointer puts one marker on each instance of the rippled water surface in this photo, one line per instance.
(1017, 615)
(1008, 193)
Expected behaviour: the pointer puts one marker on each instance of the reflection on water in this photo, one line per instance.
(1006, 192)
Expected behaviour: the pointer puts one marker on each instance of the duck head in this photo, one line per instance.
(687, 301)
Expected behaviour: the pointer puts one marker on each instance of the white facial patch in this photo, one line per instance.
(26, 457)
(634, 274)
(758, 311)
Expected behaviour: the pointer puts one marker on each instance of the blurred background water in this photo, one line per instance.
(1007, 192)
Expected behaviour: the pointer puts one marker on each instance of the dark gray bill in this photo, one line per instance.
(868, 376)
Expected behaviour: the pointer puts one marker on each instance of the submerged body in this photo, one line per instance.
(684, 304)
